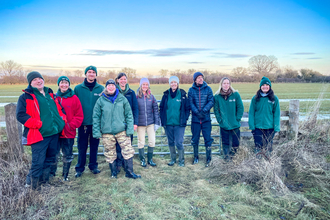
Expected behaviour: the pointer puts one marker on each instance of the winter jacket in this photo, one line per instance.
(28, 114)
(148, 111)
(74, 114)
(228, 112)
(184, 109)
(131, 97)
(88, 99)
(264, 114)
(201, 101)
(112, 118)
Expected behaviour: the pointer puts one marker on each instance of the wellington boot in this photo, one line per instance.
(129, 169)
(113, 169)
(173, 156)
(181, 158)
(66, 168)
(142, 158)
(35, 185)
(195, 161)
(150, 155)
(208, 151)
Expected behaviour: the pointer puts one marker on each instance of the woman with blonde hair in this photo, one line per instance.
(228, 110)
(148, 121)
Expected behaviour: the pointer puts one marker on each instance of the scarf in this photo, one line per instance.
(226, 94)
(90, 85)
(121, 91)
(67, 93)
(112, 97)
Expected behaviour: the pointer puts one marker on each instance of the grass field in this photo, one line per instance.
(246, 90)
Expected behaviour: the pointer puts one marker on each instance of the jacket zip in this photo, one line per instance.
(145, 110)
(200, 107)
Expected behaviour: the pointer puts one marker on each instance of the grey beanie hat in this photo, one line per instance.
(173, 78)
(32, 75)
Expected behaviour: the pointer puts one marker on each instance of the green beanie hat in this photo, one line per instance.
(32, 75)
(91, 68)
(265, 80)
(62, 78)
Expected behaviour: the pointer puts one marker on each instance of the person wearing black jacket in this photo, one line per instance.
(174, 113)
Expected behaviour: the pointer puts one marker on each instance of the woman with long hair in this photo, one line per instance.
(264, 117)
(228, 110)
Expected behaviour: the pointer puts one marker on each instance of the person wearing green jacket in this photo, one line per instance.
(228, 110)
(264, 117)
(113, 121)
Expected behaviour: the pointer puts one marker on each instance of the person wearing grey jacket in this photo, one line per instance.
(149, 121)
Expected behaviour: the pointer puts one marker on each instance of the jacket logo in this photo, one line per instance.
(232, 100)
(96, 94)
(271, 102)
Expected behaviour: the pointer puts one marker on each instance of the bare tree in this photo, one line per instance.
(239, 71)
(163, 72)
(11, 68)
(78, 73)
(263, 64)
(131, 73)
(67, 73)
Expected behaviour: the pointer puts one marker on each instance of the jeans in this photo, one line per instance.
(175, 136)
(206, 129)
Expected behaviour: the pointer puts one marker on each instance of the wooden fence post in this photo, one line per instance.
(293, 120)
(14, 131)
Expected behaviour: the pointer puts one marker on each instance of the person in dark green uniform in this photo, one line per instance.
(228, 110)
(264, 117)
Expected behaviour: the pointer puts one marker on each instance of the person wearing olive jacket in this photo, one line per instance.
(264, 117)
(88, 93)
(123, 87)
(74, 114)
(174, 113)
(228, 110)
(201, 101)
(148, 121)
(113, 121)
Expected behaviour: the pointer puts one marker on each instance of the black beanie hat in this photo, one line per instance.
(110, 81)
(32, 75)
(197, 74)
(91, 68)
(62, 78)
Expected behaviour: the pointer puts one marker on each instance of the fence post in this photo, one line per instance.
(293, 120)
(14, 131)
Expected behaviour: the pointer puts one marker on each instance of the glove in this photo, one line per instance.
(253, 131)
(156, 127)
(200, 115)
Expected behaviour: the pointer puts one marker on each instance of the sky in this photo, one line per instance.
(49, 36)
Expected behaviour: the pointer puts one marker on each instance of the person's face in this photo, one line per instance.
(111, 88)
(174, 85)
(64, 85)
(91, 76)
(225, 85)
(265, 88)
(38, 83)
(122, 81)
(199, 80)
(145, 87)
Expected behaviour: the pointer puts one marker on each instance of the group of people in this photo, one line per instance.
(115, 111)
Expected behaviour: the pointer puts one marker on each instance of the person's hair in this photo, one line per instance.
(119, 76)
(271, 95)
(140, 93)
(221, 81)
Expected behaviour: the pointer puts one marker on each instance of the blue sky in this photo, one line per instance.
(153, 35)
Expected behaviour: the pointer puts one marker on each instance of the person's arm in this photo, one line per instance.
(210, 100)
(23, 117)
(187, 107)
(193, 107)
(78, 115)
(97, 113)
(135, 110)
(251, 114)
(156, 111)
(217, 109)
(239, 107)
(162, 110)
(129, 118)
(277, 115)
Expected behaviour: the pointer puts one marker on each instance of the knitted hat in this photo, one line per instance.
(32, 75)
(265, 80)
(197, 74)
(173, 78)
(62, 78)
(91, 68)
(110, 81)
(144, 80)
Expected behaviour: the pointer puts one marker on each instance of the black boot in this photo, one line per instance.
(142, 158)
(226, 152)
(208, 151)
(173, 156)
(44, 178)
(181, 158)
(113, 169)
(66, 168)
(53, 169)
(150, 154)
(195, 154)
(129, 169)
(35, 183)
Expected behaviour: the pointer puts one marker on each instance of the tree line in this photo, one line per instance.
(260, 65)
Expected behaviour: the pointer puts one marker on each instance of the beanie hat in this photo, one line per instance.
(110, 81)
(32, 75)
(62, 78)
(91, 68)
(144, 80)
(173, 78)
(265, 80)
(197, 74)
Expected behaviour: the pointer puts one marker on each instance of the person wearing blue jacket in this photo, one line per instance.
(174, 113)
(201, 101)
(123, 87)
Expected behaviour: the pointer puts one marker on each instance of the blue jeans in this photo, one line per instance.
(206, 129)
(85, 132)
(175, 136)
(263, 139)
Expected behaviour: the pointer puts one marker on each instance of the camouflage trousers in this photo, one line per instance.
(109, 143)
